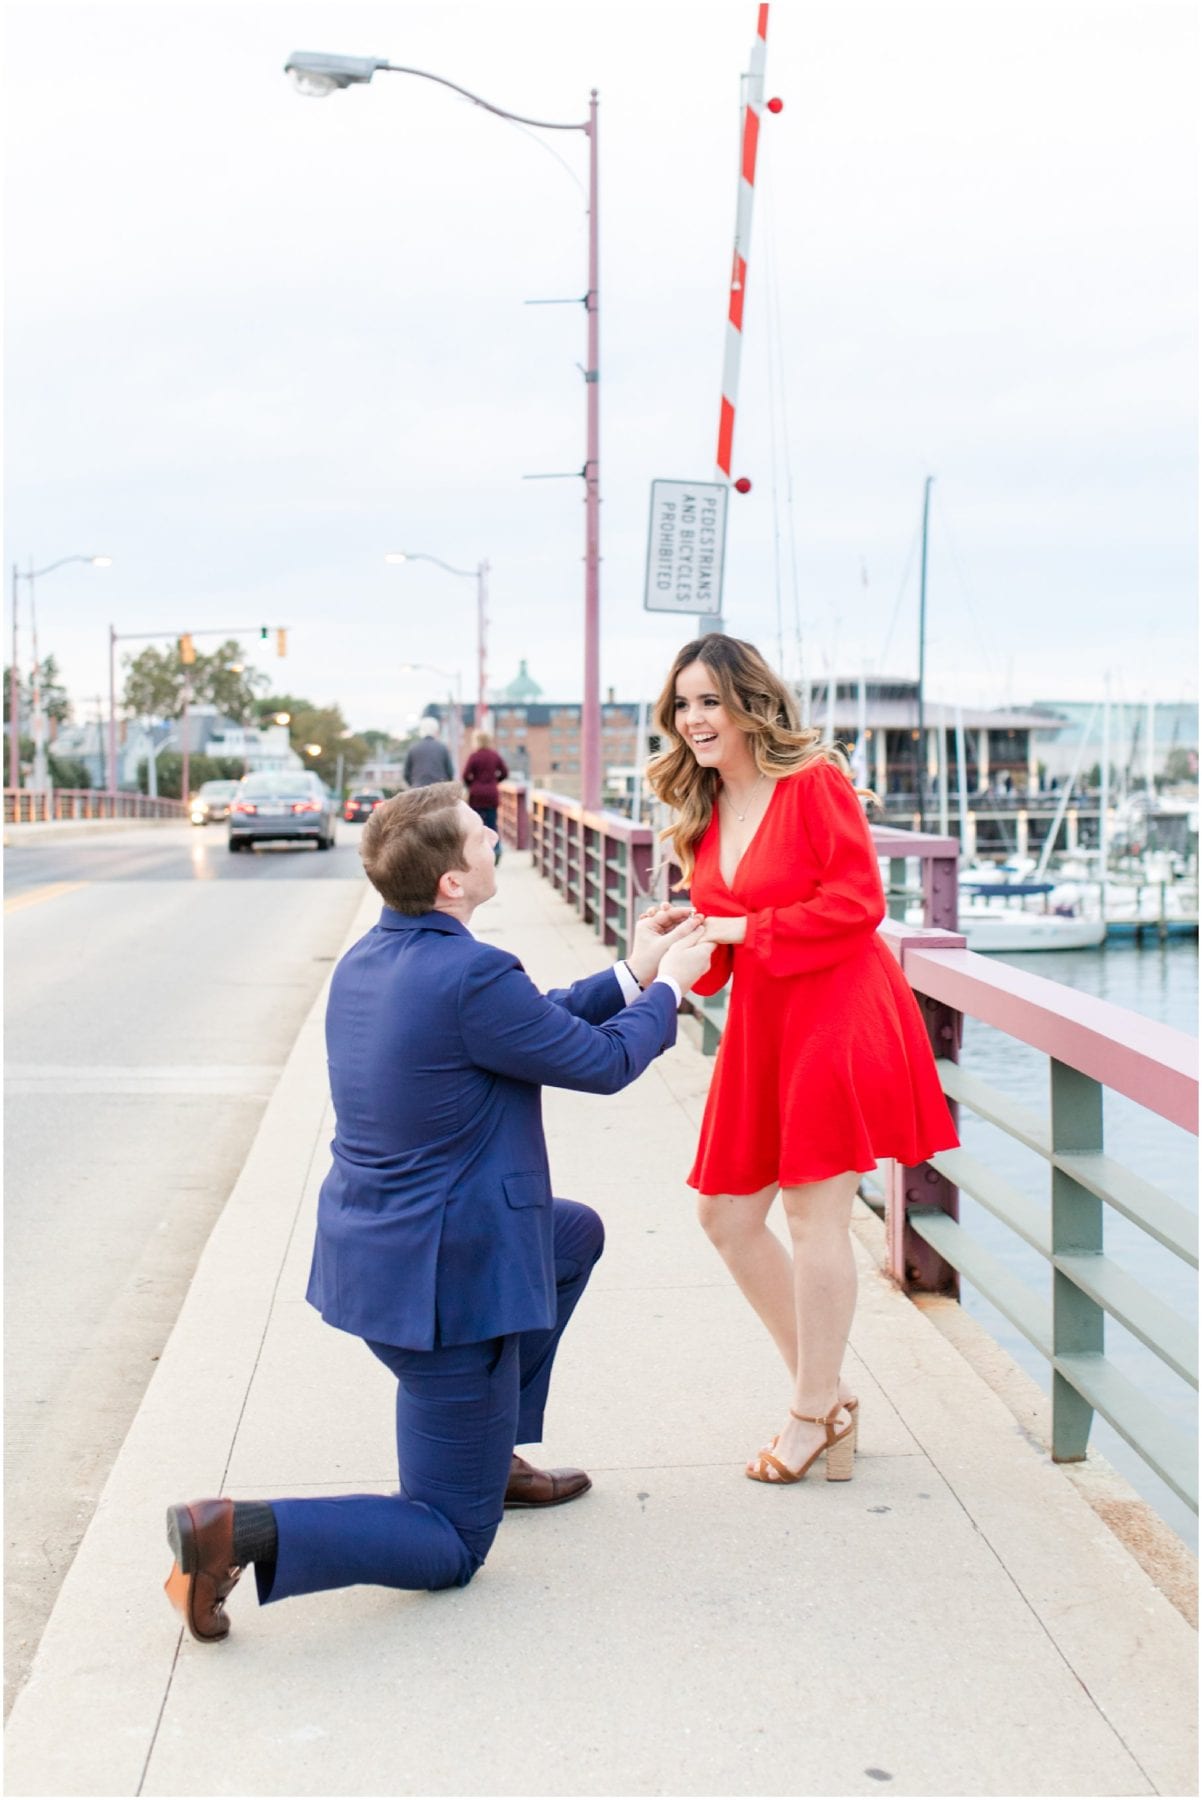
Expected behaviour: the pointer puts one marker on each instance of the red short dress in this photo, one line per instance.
(825, 1065)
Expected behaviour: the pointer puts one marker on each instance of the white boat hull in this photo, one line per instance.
(991, 929)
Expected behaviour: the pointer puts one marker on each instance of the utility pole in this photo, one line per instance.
(590, 717)
(14, 703)
(921, 757)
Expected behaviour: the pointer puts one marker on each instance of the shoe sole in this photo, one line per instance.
(182, 1538)
(179, 1586)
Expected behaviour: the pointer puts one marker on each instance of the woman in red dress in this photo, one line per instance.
(824, 1066)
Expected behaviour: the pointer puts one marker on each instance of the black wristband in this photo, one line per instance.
(638, 984)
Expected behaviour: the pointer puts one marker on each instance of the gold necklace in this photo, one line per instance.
(740, 816)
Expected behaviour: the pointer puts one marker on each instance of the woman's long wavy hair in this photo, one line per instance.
(759, 703)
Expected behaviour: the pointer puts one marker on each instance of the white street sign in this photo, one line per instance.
(686, 543)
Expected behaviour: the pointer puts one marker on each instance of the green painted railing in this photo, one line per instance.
(1092, 1048)
(602, 865)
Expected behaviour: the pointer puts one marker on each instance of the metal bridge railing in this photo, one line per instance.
(1092, 1048)
(603, 866)
(37, 806)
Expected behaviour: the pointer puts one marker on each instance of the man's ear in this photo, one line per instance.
(449, 886)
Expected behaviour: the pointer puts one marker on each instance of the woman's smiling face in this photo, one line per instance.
(703, 721)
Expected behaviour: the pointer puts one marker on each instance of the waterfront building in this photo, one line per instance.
(540, 739)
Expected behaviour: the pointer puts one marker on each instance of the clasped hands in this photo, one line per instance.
(678, 941)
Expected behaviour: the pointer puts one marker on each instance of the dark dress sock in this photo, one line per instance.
(255, 1536)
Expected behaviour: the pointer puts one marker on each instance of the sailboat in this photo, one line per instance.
(996, 914)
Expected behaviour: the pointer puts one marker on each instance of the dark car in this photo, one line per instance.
(363, 804)
(212, 801)
(288, 806)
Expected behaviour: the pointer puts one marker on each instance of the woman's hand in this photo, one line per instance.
(652, 935)
(725, 931)
(688, 955)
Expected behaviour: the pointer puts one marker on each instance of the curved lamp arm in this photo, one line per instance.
(318, 72)
(101, 562)
(543, 124)
(400, 556)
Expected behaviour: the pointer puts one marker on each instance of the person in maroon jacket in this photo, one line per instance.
(484, 768)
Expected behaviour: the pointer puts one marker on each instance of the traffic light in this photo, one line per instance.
(263, 633)
(281, 641)
(187, 649)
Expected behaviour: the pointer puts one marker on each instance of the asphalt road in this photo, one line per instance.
(155, 986)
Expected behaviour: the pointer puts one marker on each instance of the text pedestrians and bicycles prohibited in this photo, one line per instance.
(685, 547)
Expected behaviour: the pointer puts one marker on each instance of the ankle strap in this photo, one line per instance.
(822, 1419)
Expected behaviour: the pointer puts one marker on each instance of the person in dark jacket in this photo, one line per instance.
(428, 760)
(438, 1240)
(484, 768)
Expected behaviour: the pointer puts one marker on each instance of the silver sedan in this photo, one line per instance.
(286, 807)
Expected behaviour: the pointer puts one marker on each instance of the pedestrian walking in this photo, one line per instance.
(428, 760)
(482, 772)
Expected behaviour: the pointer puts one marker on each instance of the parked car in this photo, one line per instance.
(212, 801)
(291, 806)
(363, 804)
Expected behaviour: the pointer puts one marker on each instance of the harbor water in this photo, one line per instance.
(1159, 981)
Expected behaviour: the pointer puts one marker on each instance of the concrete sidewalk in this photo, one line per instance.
(957, 1620)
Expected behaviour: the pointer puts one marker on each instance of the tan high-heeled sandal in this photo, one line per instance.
(852, 1407)
(839, 1449)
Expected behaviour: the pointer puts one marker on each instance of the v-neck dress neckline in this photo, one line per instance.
(751, 842)
(825, 1064)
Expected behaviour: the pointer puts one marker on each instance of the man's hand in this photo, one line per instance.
(725, 931)
(687, 957)
(654, 932)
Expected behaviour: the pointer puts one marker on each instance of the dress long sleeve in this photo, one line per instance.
(847, 903)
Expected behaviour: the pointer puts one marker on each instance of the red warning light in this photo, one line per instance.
(776, 106)
(742, 485)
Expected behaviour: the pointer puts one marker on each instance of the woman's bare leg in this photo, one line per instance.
(737, 1226)
(824, 1274)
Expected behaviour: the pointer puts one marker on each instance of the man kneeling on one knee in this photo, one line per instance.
(438, 1240)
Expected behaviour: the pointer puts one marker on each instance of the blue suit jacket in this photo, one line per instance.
(435, 1223)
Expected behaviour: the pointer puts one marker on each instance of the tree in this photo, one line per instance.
(324, 725)
(56, 704)
(155, 682)
(26, 755)
(170, 772)
(69, 771)
(380, 743)
(1180, 765)
(267, 705)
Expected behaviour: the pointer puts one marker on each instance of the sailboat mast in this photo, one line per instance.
(1104, 805)
(921, 755)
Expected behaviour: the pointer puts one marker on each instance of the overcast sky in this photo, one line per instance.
(254, 341)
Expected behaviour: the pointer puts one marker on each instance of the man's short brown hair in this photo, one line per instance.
(411, 841)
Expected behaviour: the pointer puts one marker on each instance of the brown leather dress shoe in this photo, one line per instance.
(201, 1535)
(528, 1486)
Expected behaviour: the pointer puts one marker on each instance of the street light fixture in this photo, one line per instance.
(318, 74)
(480, 576)
(40, 776)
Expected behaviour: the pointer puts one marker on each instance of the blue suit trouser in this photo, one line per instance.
(460, 1409)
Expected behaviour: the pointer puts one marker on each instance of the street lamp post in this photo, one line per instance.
(480, 576)
(319, 75)
(40, 776)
